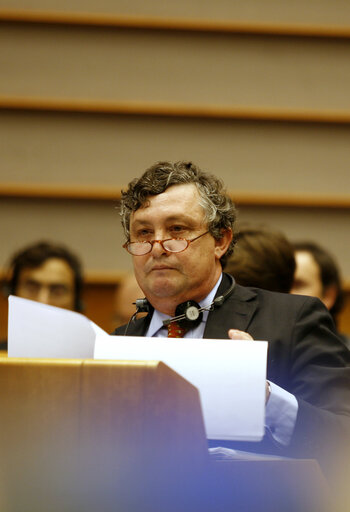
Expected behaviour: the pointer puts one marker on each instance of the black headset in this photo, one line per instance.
(189, 314)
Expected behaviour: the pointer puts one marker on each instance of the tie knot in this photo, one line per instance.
(176, 331)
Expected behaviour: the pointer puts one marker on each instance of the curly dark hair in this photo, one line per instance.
(263, 258)
(220, 212)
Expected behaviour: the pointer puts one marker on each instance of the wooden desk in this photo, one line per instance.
(113, 436)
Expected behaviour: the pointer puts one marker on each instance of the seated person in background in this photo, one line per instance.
(47, 273)
(317, 274)
(126, 293)
(179, 228)
(262, 258)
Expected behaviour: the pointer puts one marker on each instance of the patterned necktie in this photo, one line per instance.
(176, 331)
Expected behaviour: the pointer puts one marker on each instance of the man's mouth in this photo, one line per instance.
(161, 267)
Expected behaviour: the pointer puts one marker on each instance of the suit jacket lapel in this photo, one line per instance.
(138, 327)
(235, 313)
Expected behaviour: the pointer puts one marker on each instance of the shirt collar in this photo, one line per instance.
(157, 318)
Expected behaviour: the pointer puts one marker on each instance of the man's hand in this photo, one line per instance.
(235, 334)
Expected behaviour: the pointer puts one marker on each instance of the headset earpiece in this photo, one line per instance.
(142, 306)
(192, 314)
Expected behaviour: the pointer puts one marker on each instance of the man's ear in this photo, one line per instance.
(330, 296)
(223, 243)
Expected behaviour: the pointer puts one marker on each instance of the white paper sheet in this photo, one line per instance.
(230, 376)
(39, 330)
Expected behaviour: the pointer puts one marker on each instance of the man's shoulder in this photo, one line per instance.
(284, 305)
(252, 293)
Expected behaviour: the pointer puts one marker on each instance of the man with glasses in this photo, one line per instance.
(179, 226)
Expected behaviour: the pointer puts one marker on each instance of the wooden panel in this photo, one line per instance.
(344, 317)
(108, 194)
(91, 229)
(99, 305)
(156, 66)
(88, 149)
(129, 413)
(78, 432)
(143, 402)
(328, 12)
(3, 317)
(340, 116)
(161, 23)
(323, 226)
(40, 427)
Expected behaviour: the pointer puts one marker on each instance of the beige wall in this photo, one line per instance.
(217, 73)
(179, 67)
(95, 149)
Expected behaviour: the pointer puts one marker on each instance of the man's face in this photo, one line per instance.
(50, 283)
(307, 279)
(168, 279)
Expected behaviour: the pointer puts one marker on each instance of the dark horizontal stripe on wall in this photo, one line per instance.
(175, 110)
(179, 24)
(110, 193)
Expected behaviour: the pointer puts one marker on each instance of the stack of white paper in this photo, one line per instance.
(229, 374)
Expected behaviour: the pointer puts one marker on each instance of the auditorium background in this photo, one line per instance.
(92, 93)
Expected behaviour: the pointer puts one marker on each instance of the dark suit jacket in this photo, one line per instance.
(305, 357)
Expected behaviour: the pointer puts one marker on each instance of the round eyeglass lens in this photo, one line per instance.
(139, 248)
(175, 245)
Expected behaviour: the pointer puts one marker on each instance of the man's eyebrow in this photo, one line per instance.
(179, 217)
(140, 223)
(31, 280)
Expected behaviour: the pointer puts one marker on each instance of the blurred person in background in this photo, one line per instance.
(45, 272)
(263, 258)
(317, 274)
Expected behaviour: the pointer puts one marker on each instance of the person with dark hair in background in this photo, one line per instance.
(179, 224)
(317, 274)
(263, 258)
(45, 272)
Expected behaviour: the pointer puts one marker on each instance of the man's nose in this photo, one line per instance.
(157, 249)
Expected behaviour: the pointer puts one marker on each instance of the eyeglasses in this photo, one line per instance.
(169, 245)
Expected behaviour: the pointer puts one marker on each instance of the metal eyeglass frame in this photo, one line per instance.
(161, 242)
